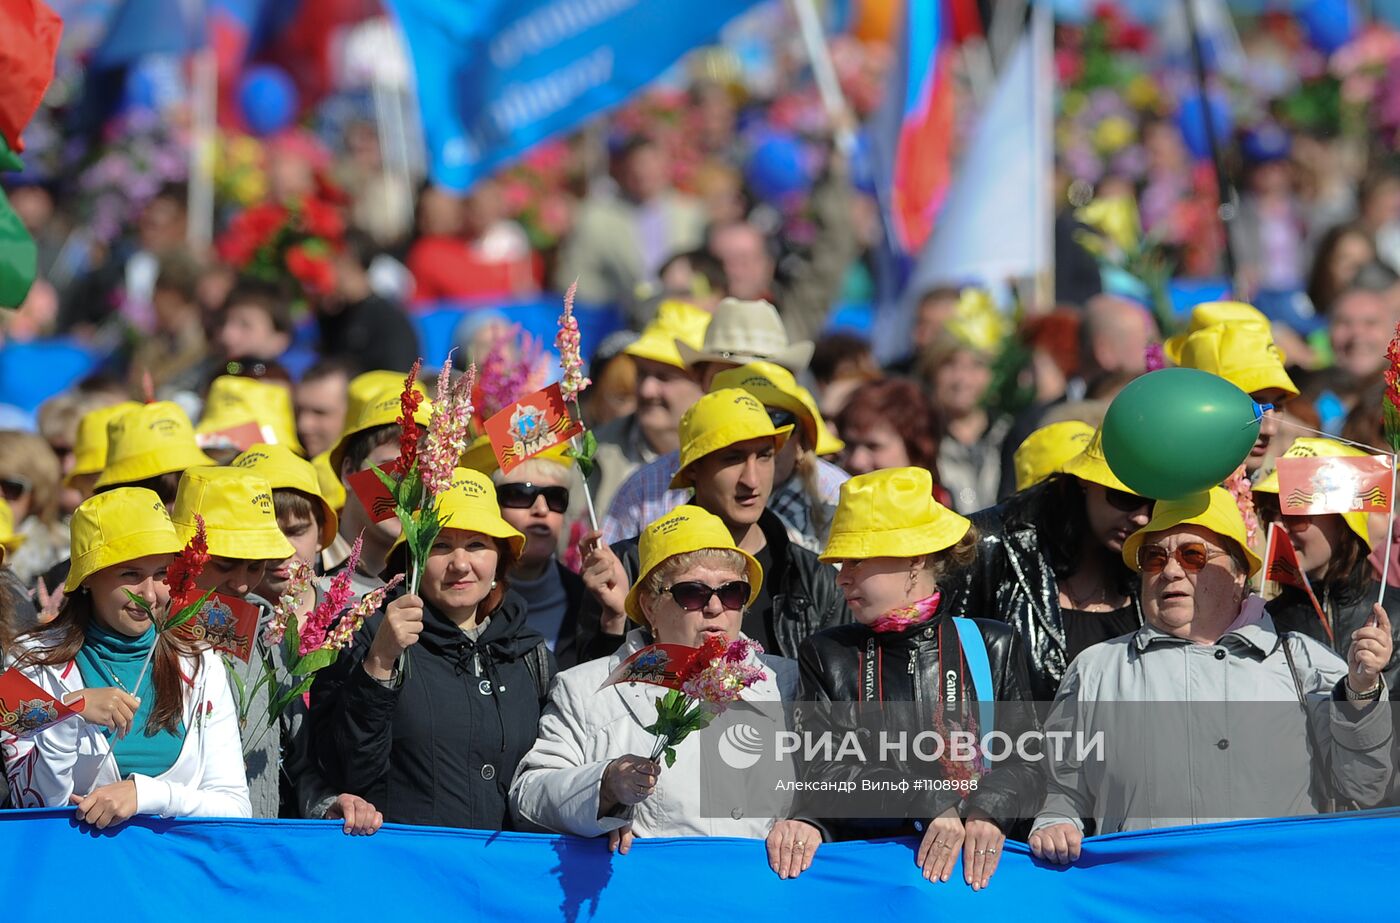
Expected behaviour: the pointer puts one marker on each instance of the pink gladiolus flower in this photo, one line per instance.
(568, 344)
(319, 622)
(343, 633)
(449, 429)
(285, 611)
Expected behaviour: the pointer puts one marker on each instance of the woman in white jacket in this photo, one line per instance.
(584, 775)
(162, 740)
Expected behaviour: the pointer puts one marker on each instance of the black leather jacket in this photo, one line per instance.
(1291, 610)
(835, 667)
(1013, 581)
(804, 592)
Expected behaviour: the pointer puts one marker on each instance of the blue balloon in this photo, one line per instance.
(268, 99)
(777, 168)
(1191, 118)
(1330, 24)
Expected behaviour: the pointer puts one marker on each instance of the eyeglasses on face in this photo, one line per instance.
(1192, 556)
(692, 595)
(14, 488)
(782, 418)
(522, 496)
(1125, 502)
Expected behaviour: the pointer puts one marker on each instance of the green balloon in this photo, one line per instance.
(1175, 432)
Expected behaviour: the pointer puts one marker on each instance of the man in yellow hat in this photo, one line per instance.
(665, 390)
(806, 485)
(729, 448)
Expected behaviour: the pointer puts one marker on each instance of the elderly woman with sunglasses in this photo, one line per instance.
(1247, 733)
(1049, 563)
(588, 775)
(534, 497)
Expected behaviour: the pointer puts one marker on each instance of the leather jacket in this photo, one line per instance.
(803, 589)
(1293, 611)
(853, 663)
(1012, 580)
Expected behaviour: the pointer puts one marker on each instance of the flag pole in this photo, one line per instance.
(1389, 535)
(824, 72)
(1268, 554)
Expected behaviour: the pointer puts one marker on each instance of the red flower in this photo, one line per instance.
(708, 652)
(188, 565)
(323, 220)
(408, 427)
(313, 271)
(1392, 372)
(250, 230)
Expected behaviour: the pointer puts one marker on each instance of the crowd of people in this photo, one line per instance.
(941, 530)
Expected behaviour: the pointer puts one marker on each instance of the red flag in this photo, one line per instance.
(241, 437)
(375, 497)
(226, 624)
(1283, 567)
(29, 34)
(1355, 484)
(536, 422)
(657, 664)
(26, 708)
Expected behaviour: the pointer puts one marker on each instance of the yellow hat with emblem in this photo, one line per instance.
(721, 419)
(1316, 447)
(1210, 314)
(1242, 354)
(1045, 451)
(238, 514)
(383, 409)
(675, 320)
(684, 529)
(148, 441)
(285, 470)
(1091, 465)
(236, 401)
(470, 504)
(116, 526)
(775, 387)
(90, 448)
(891, 513)
(1214, 510)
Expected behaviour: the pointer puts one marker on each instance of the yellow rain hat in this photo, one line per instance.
(1315, 447)
(720, 419)
(90, 448)
(1215, 510)
(116, 526)
(148, 441)
(1209, 314)
(285, 470)
(891, 513)
(470, 504)
(332, 491)
(686, 528)
(9, 539)
(235, 401)
(368, 386)
(1090, 465)
(775, 387)
(675, 320)
(238, 514)
(1242, 354)
(381, 410)
(1045, 451)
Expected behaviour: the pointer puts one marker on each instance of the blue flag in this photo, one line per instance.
(498, 76)
(142, 27)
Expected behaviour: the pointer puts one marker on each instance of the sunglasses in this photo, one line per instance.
(782, 418)
(1192, 556)
(692, 595)
(1125, 502)
(14, 487)
(522, 496)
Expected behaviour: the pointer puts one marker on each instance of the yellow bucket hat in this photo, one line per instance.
(90, 448)
(1210, 314)
(1242, 354)
(891, 513)
(332, 491)
(368, 386)
(381, 410)
(285, 470)
(115, 526)
(234, 401)
(1045, 451)
(147, 441)
(720, 419)
(775, 387)
(9, 540)
(1090, 465)
(686, 528)
(1214, 509)
(675, 320)
(238, 514)
(470, 504)
(1315, 447)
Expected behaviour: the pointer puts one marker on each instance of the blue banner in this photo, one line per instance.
(1331, 868)
(497, 76)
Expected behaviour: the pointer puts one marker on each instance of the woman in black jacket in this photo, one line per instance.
(1049, 563)
(893, 542)
(431, 708)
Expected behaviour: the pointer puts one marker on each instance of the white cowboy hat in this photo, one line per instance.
(747, 331)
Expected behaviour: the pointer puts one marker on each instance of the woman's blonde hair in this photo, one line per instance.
(951, 560)
(29, 456)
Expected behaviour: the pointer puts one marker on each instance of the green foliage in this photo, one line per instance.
(584, 457)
